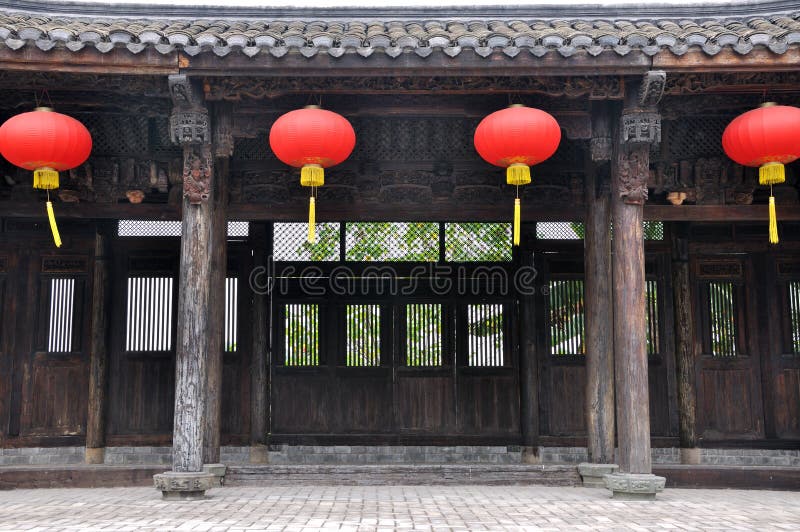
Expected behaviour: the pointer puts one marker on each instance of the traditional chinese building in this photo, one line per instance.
(186, 309)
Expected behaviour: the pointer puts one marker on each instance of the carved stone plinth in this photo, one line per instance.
(184, 486)
(259, 454)
(593, 475)
(531, 455)
(95, 455)
(218, 470)
(691, 455)
(634, 487)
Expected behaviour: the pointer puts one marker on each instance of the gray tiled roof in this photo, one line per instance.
(393, 38)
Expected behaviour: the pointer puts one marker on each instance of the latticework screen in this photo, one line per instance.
(477, 242)
(651, 309)
(722, 319)
(424, 335)
(560, 230)
(363, 328)
(485, 345)
(156, 228)
(62, 297)
(149, 314)
(301, 347)
(290, 242)
(392, 241)
(794, 314)
(231, 314)
(566, 314)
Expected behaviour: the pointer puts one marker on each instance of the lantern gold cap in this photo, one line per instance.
(312, 107)
(768, 104)
(44, 109)
(516, 105)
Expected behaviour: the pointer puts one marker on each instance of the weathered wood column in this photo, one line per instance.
(599, 312)
(525, 282)
(98, 349)
(189, 125)
(222, 135)
(684, 345)
(640, 126)
(261, 350)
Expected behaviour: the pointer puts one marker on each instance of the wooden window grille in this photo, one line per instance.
(794, 314)
(722, 319)
(485, 336)
(477, 242)
(149, 314)
(651, 230)
(290, 242)
(363, 329)
(62, 302)
(424, 335)
(301, 343)
(231, 314)
(392, 241)
(651, 309)
(160, 228)
(566, 314)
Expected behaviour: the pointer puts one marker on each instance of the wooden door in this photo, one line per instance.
(729, 405)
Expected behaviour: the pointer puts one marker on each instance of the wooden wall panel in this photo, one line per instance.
(566, 413)
(787, 409)
(364, 403)
(488, 404)
(302, 402)
(729, 405)
(56, 398)
(659, 400)
(143, 396)
(425, 403)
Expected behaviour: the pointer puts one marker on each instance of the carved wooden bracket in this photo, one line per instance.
(188, 121)
(652, 88)
(198, 165)
(633, 167)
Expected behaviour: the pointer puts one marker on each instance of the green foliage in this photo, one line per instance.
(477, 242)
(392, 241)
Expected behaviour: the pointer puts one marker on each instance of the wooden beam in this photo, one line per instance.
(260, 361)
(728, 60)
(89, 61)
(528, 360)
(719, 213)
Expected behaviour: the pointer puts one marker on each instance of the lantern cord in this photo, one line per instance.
(773, 219)
(312, 219)
(52, 217)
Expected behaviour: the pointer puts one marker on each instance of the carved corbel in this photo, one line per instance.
(189, 123)
(641, 121)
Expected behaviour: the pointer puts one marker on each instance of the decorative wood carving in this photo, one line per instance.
(198, 166)
(652, 88)
(60, 264)
(719, 269)
(632, 173)
(223, 130)
(641, 127)
(189, 123)
(755, 82)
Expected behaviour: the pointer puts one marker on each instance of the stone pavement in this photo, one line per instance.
(397, 507)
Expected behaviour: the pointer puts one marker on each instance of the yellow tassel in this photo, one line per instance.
(771, 174)
(45, 178)
(518, 174)
(517, 217)
(312, 220)
(312, 175)
(53, 227)
(773, 222)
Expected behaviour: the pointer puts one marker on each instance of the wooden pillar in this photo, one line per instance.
(259, 367)
(528, 362)
(218, 201)
(684, 345)
(597, 285)
(98, 349)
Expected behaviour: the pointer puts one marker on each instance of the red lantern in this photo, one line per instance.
(516, 138)
(767, 137)
(312, 139)
(45, 142)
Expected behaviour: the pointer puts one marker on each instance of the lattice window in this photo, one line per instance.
(477, 242)
(62, 302)
(560, 230)
(424, 335)
(392, 241)
(696, 136)
(254, 149)
(231, 314)
(301, 343)
(653, 230)
(290, 242)
(117, 134)
(566, 317)
(363, 328)
(158, 228)
(485, 341)
(794, 314)
(149, 314)
(722, 318)
(651, 308)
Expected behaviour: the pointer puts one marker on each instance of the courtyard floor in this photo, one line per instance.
(391, 508)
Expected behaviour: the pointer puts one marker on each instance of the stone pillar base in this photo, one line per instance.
(176, 485)
(593, 475)
(691, 456)
(218, 470)
(531, 455)
(95, 455)
(634, 487)
(259, 454)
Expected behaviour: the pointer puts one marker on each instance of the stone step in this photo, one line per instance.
(402, 474)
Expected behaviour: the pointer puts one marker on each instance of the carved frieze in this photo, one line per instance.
(719, 269)
(641, 127)
(633, 169)
(600, 148)
(189, 126)
(61, 264)
(197, 170)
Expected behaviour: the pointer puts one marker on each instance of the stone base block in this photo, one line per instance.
(218, 470)
(593, 475)
(259, 454)
(691, 456)
(95, 455)
(530, 455)
(634, 487)
(176, 485)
